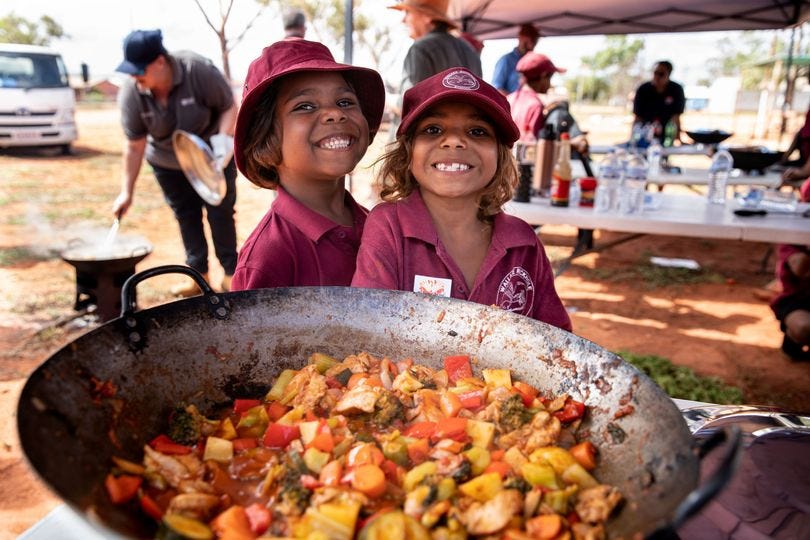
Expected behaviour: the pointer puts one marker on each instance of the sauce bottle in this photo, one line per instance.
(561, 176)
(544, 161)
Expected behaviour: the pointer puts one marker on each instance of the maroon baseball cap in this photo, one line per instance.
(533, 65)
(294, 56)
(459, 84)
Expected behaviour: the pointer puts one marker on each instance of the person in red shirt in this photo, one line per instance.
(441, 229)
(305, 122)
(792, 305)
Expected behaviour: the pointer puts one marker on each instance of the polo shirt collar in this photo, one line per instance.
(177, 70)
(309, 222)
(416, 223)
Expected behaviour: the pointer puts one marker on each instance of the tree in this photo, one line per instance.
(326, 19)
(618, 62)
(226, 45)
(740, 57)
(16, 29)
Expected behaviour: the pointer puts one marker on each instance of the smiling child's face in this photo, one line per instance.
(455, 151)
(324, 133)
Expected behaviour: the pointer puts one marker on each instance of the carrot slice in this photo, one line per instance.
(369, 479)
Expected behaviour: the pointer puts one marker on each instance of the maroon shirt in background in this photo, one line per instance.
(527, 111)
(295, 246)
(400, 242)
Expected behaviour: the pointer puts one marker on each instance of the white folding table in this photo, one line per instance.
(669, 214)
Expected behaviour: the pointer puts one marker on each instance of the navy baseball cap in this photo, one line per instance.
(141, 47)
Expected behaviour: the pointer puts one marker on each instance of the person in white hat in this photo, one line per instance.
(434, 48)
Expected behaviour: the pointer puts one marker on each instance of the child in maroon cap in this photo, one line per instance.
(305, 122)
(441, 229)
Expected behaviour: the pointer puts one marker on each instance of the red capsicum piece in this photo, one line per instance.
(151, 508)
(420, 430)
(164, 445)
(572, 410)
(280, 435)
(527, 392)
(457, 367)
(122, 488)
(451, 428)
(472, 400)
(259, 518)
(242, 405)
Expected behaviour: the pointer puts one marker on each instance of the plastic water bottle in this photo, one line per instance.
(631, 196)
(722, 162)
(608, 182)
(574, 193)
(654, 152)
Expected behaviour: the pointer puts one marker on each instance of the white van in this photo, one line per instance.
(36, 102)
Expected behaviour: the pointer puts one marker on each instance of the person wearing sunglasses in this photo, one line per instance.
(659, 102)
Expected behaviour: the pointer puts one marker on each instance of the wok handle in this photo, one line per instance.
(705, 492)
(128, 291)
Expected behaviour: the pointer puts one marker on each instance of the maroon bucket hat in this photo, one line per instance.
(459, 84)
(293, 56)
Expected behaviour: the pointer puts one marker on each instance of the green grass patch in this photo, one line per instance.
(682, 382)
(15, 255)
(652, 276)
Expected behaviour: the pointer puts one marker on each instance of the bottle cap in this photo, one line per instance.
(564, 136)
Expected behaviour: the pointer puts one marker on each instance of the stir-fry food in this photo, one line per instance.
(371, 448)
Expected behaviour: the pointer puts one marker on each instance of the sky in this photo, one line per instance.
(97, 28)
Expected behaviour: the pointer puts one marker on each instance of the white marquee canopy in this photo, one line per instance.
(493, 19)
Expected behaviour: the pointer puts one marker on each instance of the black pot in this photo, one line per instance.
(708, 136)
(754, 158)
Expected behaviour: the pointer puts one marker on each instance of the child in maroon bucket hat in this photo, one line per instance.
(305, 122)
(441, 228)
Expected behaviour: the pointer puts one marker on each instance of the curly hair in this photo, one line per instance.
(397, 182)
(263, 143)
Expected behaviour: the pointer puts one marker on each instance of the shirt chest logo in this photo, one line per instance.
(186, 101)
(432, 285)
(516, 292)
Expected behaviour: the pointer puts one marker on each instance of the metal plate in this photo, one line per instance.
(200, 167)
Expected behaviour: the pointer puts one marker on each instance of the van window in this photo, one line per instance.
(31, 70)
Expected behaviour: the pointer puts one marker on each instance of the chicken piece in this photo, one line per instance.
(196, 505)
(361, 363)
(167, 467)
(544, 430)
(585, 531)
(195, 486)
(595, 504)
(493, 515)
(426, 407)
(361, 398)
(308, 386)
(329, 494)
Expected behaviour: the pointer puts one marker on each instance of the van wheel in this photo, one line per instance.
(66, 150)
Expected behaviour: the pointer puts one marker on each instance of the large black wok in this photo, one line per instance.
(210, 349)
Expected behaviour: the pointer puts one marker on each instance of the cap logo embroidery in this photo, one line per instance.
(460, 80)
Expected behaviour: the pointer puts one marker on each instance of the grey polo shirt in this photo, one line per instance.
(433, 53)
(199, 96)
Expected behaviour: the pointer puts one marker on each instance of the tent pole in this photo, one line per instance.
(348, 32)
(789, 82)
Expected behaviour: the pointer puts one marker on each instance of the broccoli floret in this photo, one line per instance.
(513, 413)
(463, 472)
(519, 484)
(185, 424)
(387, 408)
(292, 492)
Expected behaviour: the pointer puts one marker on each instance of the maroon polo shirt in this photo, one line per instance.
(401, 250)
(295, 246)
(527, 111)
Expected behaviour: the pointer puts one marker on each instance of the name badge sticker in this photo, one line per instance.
(432, 285)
